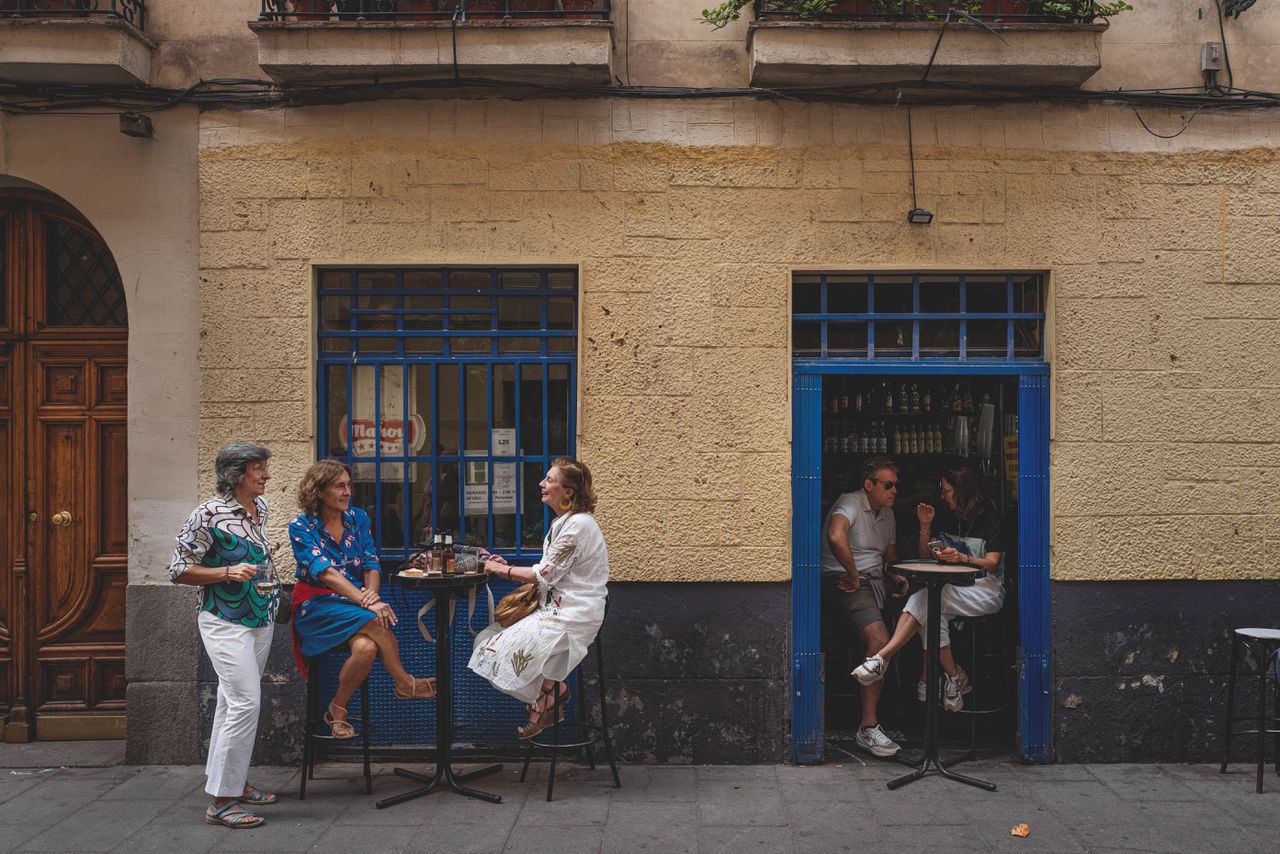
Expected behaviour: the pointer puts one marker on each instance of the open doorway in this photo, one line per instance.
(930, 426)
(907, 349)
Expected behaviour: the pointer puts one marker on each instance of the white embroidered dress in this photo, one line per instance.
(550, 642)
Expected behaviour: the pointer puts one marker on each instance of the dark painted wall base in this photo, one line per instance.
(697, 673)
(1140, 668)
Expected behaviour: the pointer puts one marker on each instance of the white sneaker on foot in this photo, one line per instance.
(873, 740)
(953, 691)
(870, 671)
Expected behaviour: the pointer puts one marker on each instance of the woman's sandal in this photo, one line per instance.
(339, 728)
(544, 716)
(423, 689)
(257, 797)
(231, 814)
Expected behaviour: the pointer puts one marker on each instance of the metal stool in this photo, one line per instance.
(974, 627)
(316, 731)
(585, 736)
(1264, 645)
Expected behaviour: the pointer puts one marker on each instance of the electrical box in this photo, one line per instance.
(1211, 56)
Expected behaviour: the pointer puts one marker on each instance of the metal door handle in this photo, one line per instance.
(62, 518)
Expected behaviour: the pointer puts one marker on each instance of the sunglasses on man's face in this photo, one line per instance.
(888, 484)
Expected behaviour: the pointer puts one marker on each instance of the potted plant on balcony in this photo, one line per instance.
(1062, 11)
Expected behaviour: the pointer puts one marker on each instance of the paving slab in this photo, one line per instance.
(666, 810)
(97, 826)
(660, 828)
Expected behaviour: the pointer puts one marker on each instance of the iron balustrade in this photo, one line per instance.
(292, 11)
(994, 11)
(133, 11)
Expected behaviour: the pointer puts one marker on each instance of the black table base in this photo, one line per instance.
(932, 759)
(444, 778)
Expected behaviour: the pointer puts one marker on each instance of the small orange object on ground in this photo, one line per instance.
(1022, 830)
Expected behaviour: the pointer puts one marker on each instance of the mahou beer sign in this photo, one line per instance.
(366, 434)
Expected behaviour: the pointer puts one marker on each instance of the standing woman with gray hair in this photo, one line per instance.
(219, 549)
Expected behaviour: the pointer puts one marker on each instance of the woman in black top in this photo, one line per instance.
(977, 541)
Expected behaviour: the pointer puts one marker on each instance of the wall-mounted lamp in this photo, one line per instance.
(136, 124)
(917, 215)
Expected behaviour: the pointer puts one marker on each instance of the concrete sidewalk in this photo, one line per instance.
(842, 806)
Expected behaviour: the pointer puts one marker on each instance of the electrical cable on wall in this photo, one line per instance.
(28, 99)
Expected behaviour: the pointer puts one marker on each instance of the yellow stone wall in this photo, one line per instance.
(686, 220)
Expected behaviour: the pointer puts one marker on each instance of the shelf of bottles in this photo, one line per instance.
(901, 419)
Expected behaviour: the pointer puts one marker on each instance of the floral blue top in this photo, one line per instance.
(316, 551)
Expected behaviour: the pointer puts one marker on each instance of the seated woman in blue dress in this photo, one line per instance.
(336, 599)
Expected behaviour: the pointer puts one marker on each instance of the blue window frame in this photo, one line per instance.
(448, 390)
(918, 316)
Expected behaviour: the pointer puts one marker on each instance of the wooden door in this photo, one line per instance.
(63, 446)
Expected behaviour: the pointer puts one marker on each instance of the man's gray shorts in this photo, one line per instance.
(858, 610)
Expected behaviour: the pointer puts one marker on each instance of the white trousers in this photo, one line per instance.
(986, 596)
(239, 656)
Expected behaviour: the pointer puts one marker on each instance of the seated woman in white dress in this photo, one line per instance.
(531, 659)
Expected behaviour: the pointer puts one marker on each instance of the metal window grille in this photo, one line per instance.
(965, 317)
(448, 390)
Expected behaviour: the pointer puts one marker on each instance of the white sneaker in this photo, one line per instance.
(953, 691)
(870, 671)
(874, 741)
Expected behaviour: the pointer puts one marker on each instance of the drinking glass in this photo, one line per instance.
(264, 580)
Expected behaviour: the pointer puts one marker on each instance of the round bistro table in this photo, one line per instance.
(934, 576)
(445, 588)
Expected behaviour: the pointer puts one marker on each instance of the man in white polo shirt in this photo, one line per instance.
(859, 539)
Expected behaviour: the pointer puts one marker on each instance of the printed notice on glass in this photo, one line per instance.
(476, 488)
(504, 442)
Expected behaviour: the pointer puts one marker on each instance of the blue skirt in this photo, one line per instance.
(323, 622)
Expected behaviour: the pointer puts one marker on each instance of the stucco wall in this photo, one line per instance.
(686, 220)
(140, 194)
(661, 43)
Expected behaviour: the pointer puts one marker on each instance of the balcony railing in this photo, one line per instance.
(432, 10)
(993, 11)
(133, 11)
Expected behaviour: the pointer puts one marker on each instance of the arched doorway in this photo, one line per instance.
(63, 494)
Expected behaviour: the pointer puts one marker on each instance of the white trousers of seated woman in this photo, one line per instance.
(239, 656)
(986, 596)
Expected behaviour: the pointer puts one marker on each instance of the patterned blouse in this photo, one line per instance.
(316, 551)
(220, 532)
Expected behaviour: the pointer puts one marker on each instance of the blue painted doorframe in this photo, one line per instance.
(807, 726)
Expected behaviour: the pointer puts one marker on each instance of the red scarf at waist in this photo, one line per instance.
(302, 591)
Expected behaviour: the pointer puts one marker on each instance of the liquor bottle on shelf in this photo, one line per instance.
(886, 397)
(904, 399)
(926, 400)
(897, 441)
(834, 406)
(844, 398)
(968, 398)
(937, 438)
(857, 402)
(957, 399)
(915, 398)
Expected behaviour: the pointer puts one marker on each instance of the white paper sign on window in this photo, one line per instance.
(504, 441)
(476, 488)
